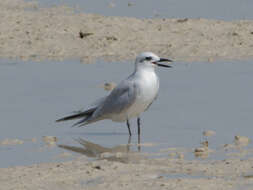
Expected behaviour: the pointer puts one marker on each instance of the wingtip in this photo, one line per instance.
(59, 120)
(78, 124)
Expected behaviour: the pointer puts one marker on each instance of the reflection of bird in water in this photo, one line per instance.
(93, 150)
(129, 98)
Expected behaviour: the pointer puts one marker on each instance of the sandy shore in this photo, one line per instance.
(30, 32)
(121, 168)
(145, 174)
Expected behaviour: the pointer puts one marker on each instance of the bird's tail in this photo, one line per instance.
(85, 115)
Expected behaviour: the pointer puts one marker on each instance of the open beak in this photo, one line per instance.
(163, 60)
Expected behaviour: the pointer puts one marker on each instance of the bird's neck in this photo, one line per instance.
(144, 68)
(145, 73)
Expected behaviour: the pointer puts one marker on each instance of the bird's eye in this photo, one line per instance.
(148, 58)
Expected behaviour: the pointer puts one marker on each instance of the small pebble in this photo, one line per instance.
(209, 133)
(235, 34)
(50, 140)
(205, 144)
(111, 38)
(11, 142)
(84, 34)
(248, 176)
(200, 149)
(241, 140)
(98, 167)
(182, 20)
(201, 153)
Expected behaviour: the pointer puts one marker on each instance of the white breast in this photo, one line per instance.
(148, 86)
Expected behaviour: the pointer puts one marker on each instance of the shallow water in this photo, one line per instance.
(215, 9)
(193, 97)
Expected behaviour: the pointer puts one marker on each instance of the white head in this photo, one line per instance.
(149, 60)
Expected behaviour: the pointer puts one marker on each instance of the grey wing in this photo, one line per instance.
(121, 98)
(95, 104)
(98, 102)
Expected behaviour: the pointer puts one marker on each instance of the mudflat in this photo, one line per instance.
(141, 173)
(28, 31)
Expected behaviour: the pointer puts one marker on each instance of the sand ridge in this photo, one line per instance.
(31, 32)
(149, 174)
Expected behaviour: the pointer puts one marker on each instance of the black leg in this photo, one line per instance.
(139, 143)
(129, 130)
(139, 125)
(139, 133)
(129, 143)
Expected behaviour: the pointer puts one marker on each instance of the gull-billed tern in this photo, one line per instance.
(129, 98)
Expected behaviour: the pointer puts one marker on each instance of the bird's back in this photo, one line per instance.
(118, 102)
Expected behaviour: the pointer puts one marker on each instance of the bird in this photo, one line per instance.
(131, 97)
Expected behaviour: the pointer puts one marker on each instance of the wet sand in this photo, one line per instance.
(121, 168)
(161, 173)
(30, 32)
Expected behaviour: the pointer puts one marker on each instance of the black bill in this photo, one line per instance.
(163, 60)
